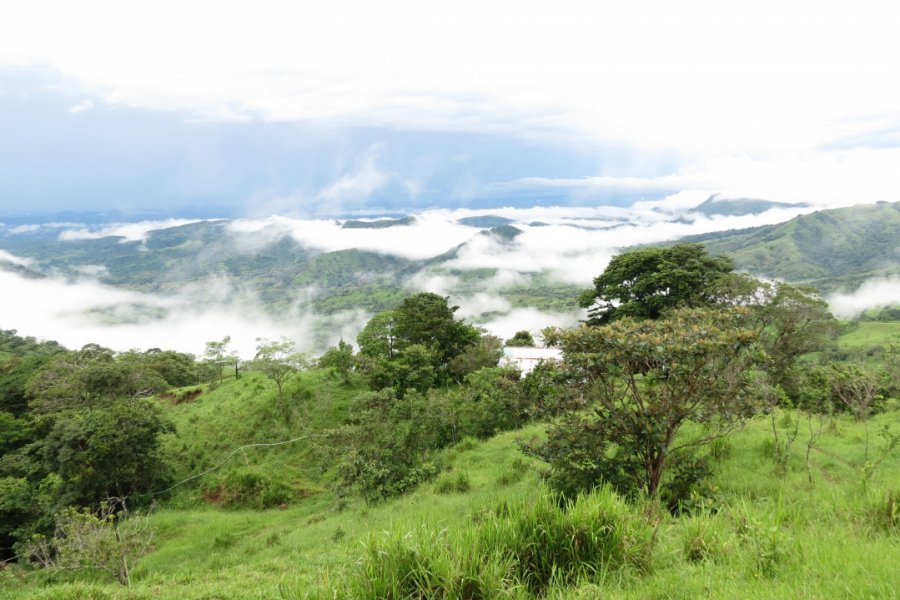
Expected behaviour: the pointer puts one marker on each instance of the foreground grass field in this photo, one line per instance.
(760, 532)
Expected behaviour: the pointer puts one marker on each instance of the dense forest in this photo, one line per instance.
(705, 433)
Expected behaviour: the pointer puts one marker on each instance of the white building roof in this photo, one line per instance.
(526, 359)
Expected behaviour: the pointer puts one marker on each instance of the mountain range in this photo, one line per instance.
(828, 249)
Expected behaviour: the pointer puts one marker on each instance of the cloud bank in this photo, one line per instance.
(882, 291)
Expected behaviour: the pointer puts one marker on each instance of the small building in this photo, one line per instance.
(526, 359)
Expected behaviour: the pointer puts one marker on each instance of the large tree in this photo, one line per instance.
(427, 319)
(646, 282)
(644, 380)
(394, 343)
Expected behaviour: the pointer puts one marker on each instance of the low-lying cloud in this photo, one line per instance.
(129, 232)
(881, 291)
(75, 313)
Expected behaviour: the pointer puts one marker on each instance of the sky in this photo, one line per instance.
(337, 108)
(139, 114)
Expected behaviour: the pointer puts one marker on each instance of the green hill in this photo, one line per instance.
(828, 249)
(769, 536)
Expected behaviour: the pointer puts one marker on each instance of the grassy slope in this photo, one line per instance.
(818, 539)
(871, 333)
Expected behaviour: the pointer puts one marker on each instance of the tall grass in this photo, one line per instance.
(518, 550)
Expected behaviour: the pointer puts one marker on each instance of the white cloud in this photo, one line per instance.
(434, 283)
(576, 255)
(427, 237)
(530, 319)
(129, 232)
(698, 75)
(356, 187)
(13, 259)
(882, 291)
(82, 106)
(481, 303)
(76, 313)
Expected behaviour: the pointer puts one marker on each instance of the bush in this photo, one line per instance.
(249, 488)
(383, 451)
(683, 483)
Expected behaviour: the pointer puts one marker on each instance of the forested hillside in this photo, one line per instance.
(828, 249)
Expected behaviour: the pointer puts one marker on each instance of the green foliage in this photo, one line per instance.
(885, 513)
(382, 452)
(645, 380)
(453, 483)
(176, 368)
(20, 358)
(217, 356)
(702, 539)
(855, 387)
(521, 338)
(419, 345)
(546, 391)
(248, 487)
(647, 282)
(828, 249)
(526, 546)
(339, 358)
(492, 401)
(414, 369)
(427, 319)
(92, 376)
(279, 361)
(108, 539)
(792, 322)
(111, 451)
(484, 353)
(13, 432)
(378, 340)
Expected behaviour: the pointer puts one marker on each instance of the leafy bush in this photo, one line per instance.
(256, 488)
(682, 489)
(644, 382)
(383, 451)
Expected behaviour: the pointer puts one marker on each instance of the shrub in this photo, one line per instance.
(249, 488)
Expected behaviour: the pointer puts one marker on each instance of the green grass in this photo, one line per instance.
(760, 533)
(870, 334)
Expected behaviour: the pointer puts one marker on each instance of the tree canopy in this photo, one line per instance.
(645, 380)
(646, 282)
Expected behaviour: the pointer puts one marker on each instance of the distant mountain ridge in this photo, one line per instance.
(716, 205)
(828, 249)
